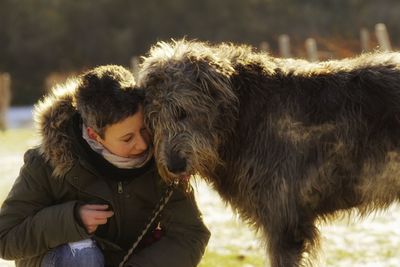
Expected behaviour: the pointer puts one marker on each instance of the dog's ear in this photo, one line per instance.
(214, 79)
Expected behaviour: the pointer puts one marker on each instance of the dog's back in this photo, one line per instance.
(338, 120)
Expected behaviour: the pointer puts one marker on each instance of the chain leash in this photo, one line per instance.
(160, 206)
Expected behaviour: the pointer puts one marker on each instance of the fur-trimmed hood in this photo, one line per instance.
(52, 117)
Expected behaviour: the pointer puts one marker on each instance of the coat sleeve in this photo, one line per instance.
(30, 221)
(185, 239)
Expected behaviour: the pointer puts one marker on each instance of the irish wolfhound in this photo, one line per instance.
(285, 142)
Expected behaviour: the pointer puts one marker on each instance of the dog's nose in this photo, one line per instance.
(176, 163)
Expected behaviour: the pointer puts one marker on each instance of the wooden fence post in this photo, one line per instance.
(383, 37)
(5, 98)
(284, 46)
(135, 67)
(311, 48)
(364, 39)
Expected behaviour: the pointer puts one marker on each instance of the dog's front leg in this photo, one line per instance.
(291, 242)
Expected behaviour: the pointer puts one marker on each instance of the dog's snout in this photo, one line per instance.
(176, 163)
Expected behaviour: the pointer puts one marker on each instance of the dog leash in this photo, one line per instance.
(160, 206)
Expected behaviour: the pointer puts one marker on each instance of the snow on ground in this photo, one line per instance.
(227, 230)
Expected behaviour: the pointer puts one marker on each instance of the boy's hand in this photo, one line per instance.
(93, 215)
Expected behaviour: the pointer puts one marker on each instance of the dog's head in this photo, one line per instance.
(189, 99)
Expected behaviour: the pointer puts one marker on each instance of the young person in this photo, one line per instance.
(87, 191)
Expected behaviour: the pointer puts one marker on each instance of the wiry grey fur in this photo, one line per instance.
(285, 142)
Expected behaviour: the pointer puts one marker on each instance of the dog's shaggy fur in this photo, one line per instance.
(285, 142)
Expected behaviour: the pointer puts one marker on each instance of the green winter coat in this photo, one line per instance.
(62, 173)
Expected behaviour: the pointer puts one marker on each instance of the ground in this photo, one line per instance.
(349, 242)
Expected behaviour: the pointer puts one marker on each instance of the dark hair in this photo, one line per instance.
(106, 95)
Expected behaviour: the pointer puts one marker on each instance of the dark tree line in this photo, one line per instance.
(41, 36)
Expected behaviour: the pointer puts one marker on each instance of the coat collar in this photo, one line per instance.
(52, 116)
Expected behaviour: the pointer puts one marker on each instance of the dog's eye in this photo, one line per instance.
(181, 114)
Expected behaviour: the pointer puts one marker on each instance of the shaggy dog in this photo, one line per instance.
(286, 142)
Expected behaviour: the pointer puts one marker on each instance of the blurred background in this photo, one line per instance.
(42, 42)
(40, 38)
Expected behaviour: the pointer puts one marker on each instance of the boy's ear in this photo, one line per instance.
(92, 134)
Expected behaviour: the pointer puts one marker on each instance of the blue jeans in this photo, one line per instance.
(83, 253)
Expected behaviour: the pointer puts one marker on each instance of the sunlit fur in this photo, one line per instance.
(285, 142)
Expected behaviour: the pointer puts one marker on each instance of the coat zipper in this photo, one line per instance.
(120, 188)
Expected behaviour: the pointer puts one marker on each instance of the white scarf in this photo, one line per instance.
(120, 162)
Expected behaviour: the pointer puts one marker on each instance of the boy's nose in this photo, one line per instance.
(141, 143)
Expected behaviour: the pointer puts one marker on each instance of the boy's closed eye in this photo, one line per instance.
(127, 139)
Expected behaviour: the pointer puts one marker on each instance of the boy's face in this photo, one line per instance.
(127, 138)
